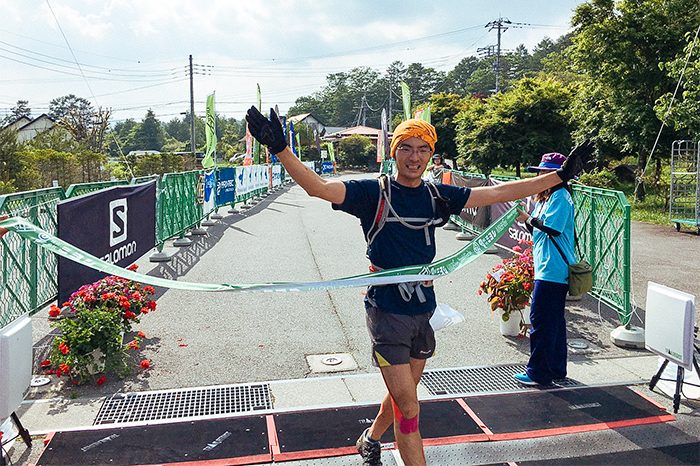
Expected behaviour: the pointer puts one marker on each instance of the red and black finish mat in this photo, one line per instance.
(685, 453)
(333, 431)
(241, 440)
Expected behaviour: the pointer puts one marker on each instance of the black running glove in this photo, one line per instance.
(577, 159)
(267, 132)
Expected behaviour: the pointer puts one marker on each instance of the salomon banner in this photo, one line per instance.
(226, 186)
(518, 231)
(117, 225)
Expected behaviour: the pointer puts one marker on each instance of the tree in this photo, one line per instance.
(458, 77)
(684, 114)
(444, 108)
(620, 46)
(148, 135)
(87, 125)
(516, 127)
(21, 109)
(10, 164)
(121, 139)
(357, 151)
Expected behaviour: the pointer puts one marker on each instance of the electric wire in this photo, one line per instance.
(639, 181)
(87, 83)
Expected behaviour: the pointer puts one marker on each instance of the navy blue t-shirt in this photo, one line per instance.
(396, 245)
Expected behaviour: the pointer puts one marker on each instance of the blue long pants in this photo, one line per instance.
(548, 332)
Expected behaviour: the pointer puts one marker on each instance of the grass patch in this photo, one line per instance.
(651, 210)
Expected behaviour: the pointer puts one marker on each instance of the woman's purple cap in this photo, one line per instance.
(551, 161)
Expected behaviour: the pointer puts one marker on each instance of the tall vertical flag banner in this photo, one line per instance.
(423, 113)
(256, 144)
(331, 151)
(292, 138)
(298, 141)
(331, 154)
(210, 132)
(383, 139)
(406, 95)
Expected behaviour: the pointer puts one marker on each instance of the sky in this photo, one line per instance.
(132, 55)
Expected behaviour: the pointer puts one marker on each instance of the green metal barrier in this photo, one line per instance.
(84, 188)
(603, 227)
(29, 274)
(178, 207)
(469, 175)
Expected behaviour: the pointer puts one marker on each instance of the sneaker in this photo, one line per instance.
(369, 450)
(524, 379)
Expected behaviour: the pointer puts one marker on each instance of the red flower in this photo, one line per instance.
(125, 304)
(134, 345)
(46, 363)
(54, 311)
(144, 310)
(101, 380)
(526, 286)
(149, 289)
(141, 334)
(517, 249)
(136, 295)
(65, 368)
(58, 372)
(63, 348)
(132, 267)
(145, 363)
(129, 315)
(152, 305)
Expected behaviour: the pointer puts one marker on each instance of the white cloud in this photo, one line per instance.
(75, 24)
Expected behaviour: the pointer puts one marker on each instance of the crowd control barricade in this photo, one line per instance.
(28, 272)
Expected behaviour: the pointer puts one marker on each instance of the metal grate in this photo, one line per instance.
(184, 403)
(472, 380)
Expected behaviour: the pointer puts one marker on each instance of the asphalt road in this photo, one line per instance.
(200, 339)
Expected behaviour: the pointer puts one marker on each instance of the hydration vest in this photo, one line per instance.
(386, 213)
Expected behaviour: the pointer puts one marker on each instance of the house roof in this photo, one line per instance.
(361, 130)
(35, 120)
(302, 117)
(16, 120)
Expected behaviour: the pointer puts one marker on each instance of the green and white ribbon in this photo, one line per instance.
(411, 273)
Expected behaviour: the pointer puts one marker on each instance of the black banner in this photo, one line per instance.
(117, 225)
(477, 216)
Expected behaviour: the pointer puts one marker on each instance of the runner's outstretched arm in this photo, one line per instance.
(269, 132)
(519, 189)
(3, 230)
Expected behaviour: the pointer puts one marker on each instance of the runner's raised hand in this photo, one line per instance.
(579, 155)
(267, 131)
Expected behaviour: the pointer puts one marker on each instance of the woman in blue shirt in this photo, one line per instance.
(552, 220)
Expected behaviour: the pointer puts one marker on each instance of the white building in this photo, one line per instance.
(27, 129)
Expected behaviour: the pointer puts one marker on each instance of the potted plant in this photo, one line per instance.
(92, 325)
(508, 286)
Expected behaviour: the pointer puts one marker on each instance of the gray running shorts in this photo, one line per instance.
(396, 337)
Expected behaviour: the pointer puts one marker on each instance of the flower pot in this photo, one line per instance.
(510, 327)
(98, 362)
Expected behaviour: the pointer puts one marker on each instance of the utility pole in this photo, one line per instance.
(364, 112)
(499, 26)
(391, 82)
(192, 148)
